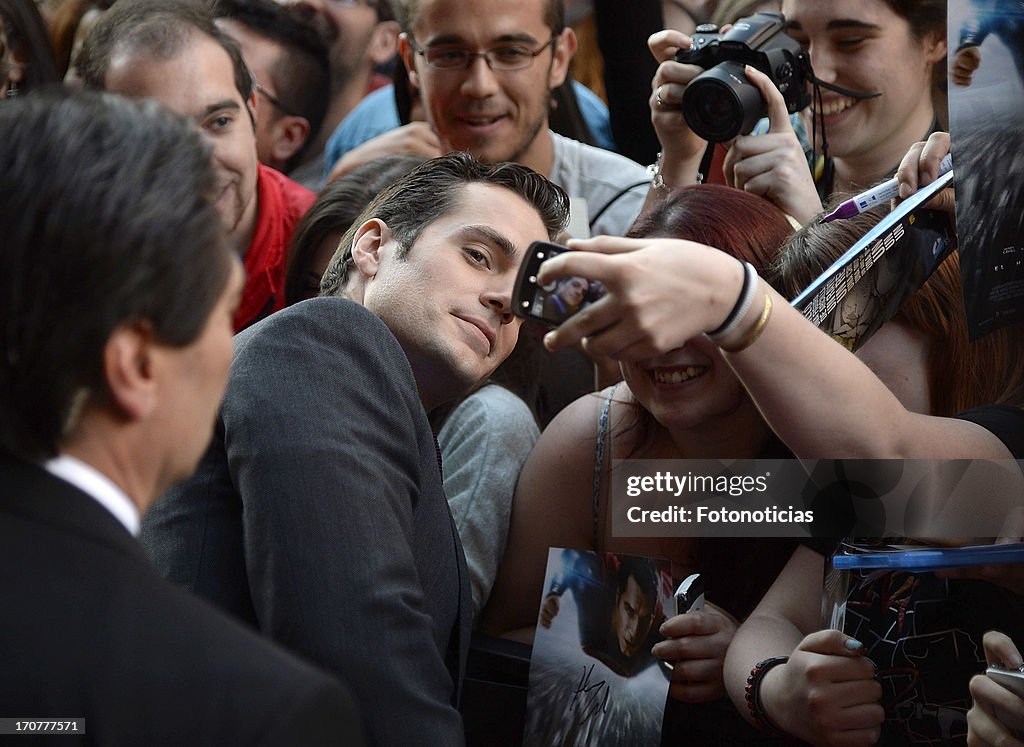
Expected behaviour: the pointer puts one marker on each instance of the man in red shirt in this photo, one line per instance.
(177, 55)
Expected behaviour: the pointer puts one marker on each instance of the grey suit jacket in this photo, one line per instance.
(90, 630)
(318, 515)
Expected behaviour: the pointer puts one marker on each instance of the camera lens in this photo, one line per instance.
(721, 103)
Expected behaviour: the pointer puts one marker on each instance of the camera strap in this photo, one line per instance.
(839, 89)
(818, 84)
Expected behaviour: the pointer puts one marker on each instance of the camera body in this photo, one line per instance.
(720, 103)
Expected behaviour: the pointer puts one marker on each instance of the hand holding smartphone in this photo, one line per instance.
(552, 303)
(689, 597)
(1011, 679)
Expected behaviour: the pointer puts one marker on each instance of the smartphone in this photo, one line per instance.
(689, 597)
(1011, 679)
(552, 303)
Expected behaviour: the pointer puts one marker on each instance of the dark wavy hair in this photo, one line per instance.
(336, 208)
(433, 189)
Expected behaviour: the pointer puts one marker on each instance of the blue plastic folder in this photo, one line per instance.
(931, 559)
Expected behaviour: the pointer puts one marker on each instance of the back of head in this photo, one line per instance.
(962, 374)
(741, 224)
(107, 218)
(155, 29)
(433, 189)
(336, 208)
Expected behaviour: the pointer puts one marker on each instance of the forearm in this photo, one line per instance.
(823, 402)
(673, 170)
(759, 638)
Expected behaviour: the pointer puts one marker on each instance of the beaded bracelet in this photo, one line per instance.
(657, 178)
(752, 694)
(743, 302)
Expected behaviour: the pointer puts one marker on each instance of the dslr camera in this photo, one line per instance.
(720, 103)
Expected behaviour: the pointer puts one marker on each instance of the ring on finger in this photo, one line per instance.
(658, 99)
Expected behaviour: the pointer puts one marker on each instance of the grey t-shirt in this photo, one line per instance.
(597, 176)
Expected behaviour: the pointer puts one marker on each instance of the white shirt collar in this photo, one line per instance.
(98, 486)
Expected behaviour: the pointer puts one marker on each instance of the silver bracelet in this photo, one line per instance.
(657, 178)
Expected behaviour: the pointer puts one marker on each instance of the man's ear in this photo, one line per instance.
(129, 369)
(565, 50)
(383, 42)
(408, 55)
(290, 134)
(367, 245)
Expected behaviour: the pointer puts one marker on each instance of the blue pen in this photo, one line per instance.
(877, 196)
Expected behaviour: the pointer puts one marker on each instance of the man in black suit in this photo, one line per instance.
(318, 513)
(117, 290)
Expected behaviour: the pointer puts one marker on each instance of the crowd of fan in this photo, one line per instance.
(256, 283)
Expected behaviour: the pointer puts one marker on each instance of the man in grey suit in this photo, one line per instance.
(318, 513)
(117, 290)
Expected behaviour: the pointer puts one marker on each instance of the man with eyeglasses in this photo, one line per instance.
(174, 53)
(485, 70)
(362, 36)
(288, 59)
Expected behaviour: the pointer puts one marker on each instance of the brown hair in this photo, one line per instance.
(739, 223)
(961, 374)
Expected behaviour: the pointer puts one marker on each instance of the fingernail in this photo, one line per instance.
(549, 339)
(853, 644)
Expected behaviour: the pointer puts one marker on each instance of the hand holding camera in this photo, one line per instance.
(721, 104)
(714, 87)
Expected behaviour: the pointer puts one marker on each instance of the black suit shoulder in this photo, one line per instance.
(319, 516)
(95, 633)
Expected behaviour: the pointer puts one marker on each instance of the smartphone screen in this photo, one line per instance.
(554, 302)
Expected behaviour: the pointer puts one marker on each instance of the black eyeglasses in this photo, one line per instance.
(501, 58)
(274, 100)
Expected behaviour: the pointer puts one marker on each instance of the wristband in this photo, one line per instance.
(743, 302)
(751, 337)
(752, 694)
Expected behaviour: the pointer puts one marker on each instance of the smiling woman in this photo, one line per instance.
(886, 47)
(887, 53)
(685, 404)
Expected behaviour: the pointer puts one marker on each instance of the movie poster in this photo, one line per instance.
(986, 108)
(593, 681)
(865, 287)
